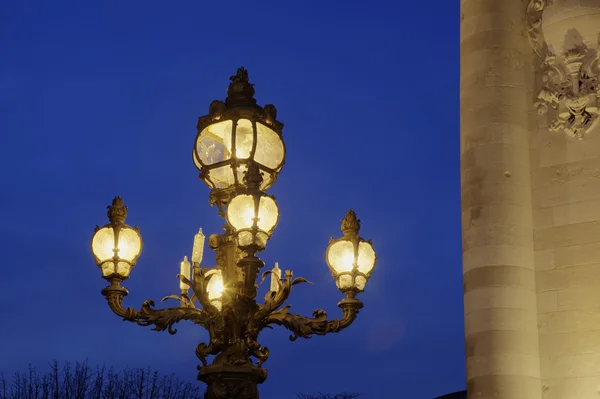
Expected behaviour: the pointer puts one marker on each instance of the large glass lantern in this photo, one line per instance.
(116, 246)
(351, 258)
(235, 133)
(252, 213)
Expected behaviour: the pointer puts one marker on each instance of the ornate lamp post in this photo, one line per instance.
(239, 152)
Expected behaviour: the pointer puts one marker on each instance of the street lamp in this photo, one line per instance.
(239, 152)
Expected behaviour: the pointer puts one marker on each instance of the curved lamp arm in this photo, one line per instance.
(304, 327)
(271, 312)
(162, 319)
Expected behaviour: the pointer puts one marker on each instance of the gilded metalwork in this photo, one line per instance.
(234, 327)
(352, 280)
(117, 215)
(223, 176)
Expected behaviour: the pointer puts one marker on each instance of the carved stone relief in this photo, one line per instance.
(566, 34)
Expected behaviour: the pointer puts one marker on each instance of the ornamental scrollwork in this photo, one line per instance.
(570, 91)
(535, 9)
(245, 318)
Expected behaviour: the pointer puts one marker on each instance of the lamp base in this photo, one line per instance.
(228, 381)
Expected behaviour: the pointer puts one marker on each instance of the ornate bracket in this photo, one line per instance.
(162, 319)
(272, 312)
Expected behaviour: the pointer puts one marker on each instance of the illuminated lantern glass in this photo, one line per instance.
(116, 246)
(236, 133)
(351, 258)
(254, 217)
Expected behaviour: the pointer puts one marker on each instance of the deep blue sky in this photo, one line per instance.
(99, 99)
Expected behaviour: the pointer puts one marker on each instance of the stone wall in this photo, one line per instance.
(530, 178)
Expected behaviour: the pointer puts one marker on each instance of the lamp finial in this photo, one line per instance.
(350, 223)
(241, 91)
(117, 212)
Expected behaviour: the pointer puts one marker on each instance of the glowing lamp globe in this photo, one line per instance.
(116, 246)
(252, 213)
(351, 258)
(236, 133)
(215, 287)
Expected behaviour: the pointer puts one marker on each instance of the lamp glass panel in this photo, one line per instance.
(269, 147)
(244, 138)
(222, 177)
(344, 281)
(261, 239)
(214, 143)
(267, 214)
(360, 282)
(366, 257)
(245, 238)
(129, 244)
(103, 243)
(215, 286)
(196, 161)
(108, 268)
(341, 256)
(123, 269)
(240, 211)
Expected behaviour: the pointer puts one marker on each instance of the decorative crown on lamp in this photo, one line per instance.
(234, 134)
(350, 258)
(116, 246)
(252, 213)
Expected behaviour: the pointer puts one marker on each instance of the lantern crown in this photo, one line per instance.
(350, 224)
(240, 91)
(117, 212)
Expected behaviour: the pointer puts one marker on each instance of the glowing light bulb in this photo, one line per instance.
(109, 247)
(218, 288)
(215, 285)
(249, 216)
(348, 261)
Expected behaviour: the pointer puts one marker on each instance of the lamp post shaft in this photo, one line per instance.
(232, 375)
(233, 382)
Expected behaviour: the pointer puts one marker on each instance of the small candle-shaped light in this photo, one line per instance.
(198, 248)
(275, 276)
(185, 272)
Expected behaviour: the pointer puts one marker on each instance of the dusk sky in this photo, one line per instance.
(99, 99)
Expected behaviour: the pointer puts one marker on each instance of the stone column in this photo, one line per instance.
(498, 260)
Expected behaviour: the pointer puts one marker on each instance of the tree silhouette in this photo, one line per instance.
(82, 382)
